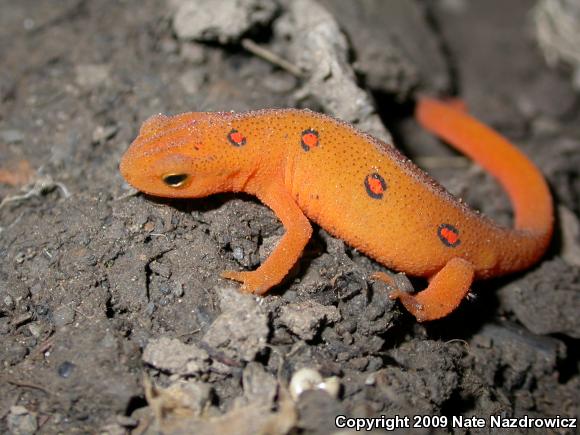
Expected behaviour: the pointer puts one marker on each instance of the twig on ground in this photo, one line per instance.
(41, 186)
(271, 57)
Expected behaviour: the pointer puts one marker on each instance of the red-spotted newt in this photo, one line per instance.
(304, 165)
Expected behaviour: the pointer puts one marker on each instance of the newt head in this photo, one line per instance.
(175, 156)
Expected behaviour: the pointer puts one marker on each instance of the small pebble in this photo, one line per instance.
(150, 309)
(238, 253)
(280, 82)
(13, 353)
(4, 326)
(178, 289)
(65, 369)
(63, 315)
(35, 329)
(21, 421)
(103, 133)
(90, 76)
(11, 136)
(35, 289)
(164, 289)
(160, 269)
(169, 45)
(309, 379)
(194, 53)
(193, 80)
(9, 302)
(371, 379)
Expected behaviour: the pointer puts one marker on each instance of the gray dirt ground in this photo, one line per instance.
(113, 317)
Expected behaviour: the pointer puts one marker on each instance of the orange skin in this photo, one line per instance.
(304, 165)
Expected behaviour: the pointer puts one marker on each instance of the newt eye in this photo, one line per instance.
(175, 180)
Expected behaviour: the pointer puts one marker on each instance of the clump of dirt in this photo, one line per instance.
(113, 317)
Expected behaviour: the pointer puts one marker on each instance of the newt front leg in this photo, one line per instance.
(288, 250)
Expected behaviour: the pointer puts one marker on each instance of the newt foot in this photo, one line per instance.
(252, 281)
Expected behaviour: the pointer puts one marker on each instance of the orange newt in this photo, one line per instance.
(304, 165)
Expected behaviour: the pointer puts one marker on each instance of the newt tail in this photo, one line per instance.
(527, 191)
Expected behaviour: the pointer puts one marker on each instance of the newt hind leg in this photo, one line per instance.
(446, 289)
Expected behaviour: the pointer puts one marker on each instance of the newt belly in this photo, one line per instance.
(305, 165)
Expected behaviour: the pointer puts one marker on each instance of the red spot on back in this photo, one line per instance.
(449, 235)
(309, 139)
(376, 186)
(236, 138)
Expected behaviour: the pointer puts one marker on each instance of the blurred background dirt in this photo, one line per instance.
(113, 317)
